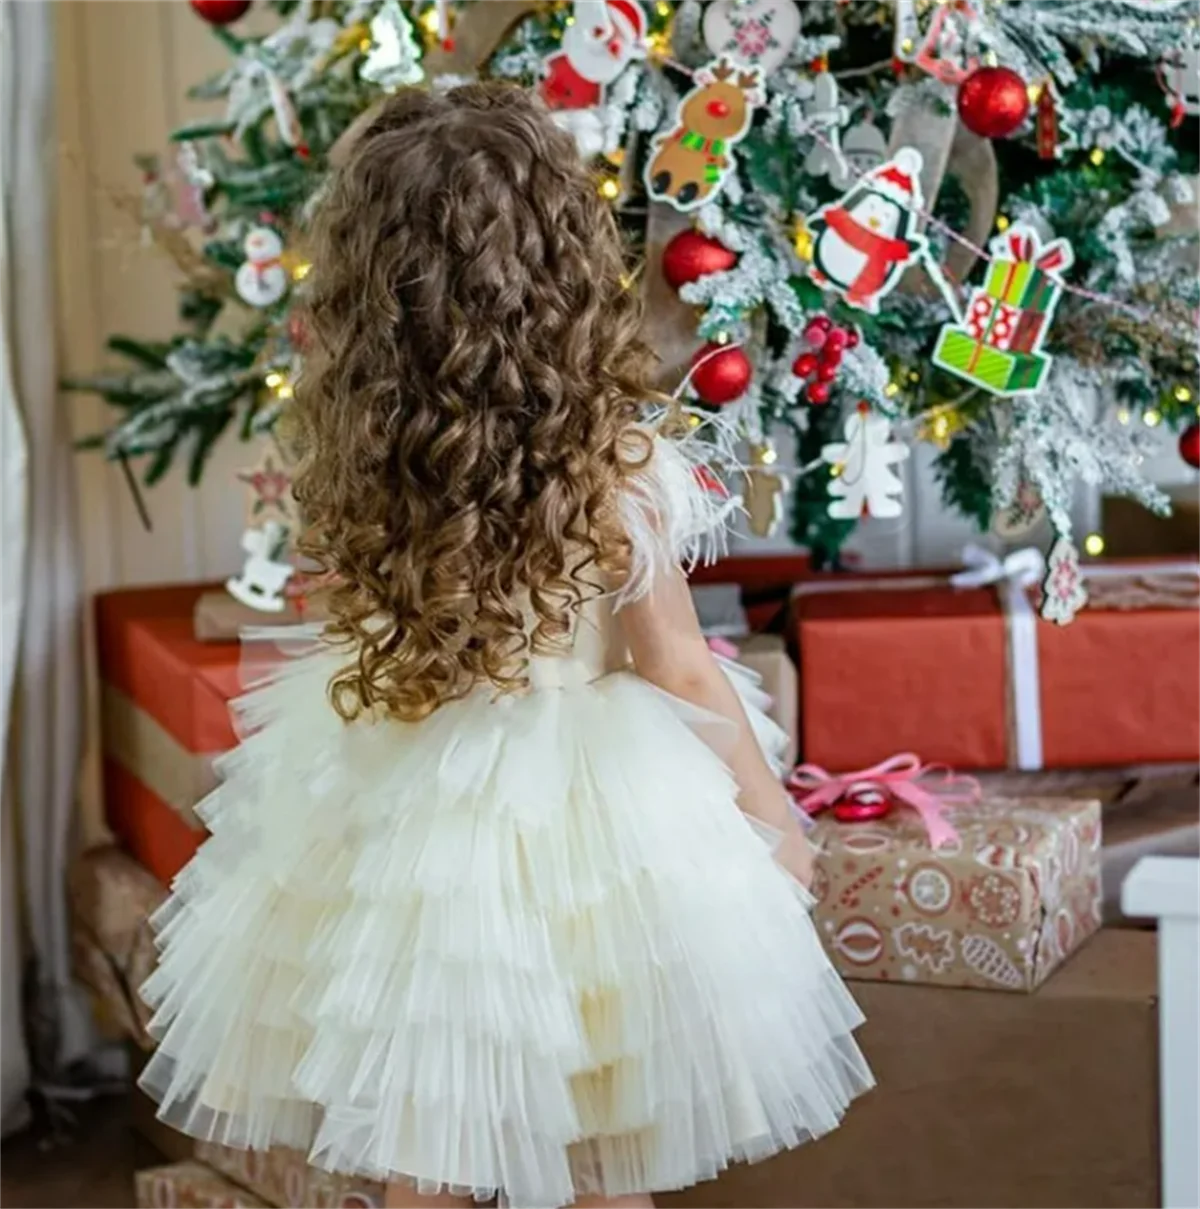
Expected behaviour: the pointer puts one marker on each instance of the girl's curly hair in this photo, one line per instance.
(462, 421)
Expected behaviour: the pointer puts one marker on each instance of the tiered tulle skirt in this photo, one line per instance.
(528, 946)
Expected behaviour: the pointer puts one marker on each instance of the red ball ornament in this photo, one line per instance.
(691, 255)
(836, 341)
(827, 371)
(1189, 445)
(220, 12)
(722, 374)
(817, 392)
(804, 365)
(852, 337)
(992, 102)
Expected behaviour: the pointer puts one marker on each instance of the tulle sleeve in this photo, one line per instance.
(676, 513)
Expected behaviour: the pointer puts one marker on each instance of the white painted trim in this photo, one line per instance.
(1168, 888)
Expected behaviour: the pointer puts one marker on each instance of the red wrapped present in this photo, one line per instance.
(165, 716)
(766, 581)
(971, 678)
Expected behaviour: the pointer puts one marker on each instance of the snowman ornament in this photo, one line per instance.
(865, 482)
(863, 242)
(601, 40)
(261, 279)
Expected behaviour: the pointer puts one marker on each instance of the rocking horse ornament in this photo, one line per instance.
(692, 160)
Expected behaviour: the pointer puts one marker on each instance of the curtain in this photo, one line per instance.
(41, 682)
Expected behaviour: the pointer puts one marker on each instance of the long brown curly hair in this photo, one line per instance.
(463, 416)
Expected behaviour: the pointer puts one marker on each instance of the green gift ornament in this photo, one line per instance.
(1025, 276)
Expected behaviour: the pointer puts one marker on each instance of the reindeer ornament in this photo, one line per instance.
(691, 161)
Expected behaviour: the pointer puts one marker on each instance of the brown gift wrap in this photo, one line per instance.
(282, 1177)
(113, 951)
(999, 909)
(189, 1186)
(895, 667)
(991, 1101)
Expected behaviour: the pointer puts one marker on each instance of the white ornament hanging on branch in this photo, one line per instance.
(261, 280)
(865, 481)
(754, 33)
(394, 59)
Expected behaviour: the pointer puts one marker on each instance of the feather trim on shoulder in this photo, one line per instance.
(676, 510)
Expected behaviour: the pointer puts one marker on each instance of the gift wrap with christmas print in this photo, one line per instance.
(902, 662)
(999, 908)
(283, 1177)
(1004, 371)
(190, 1186)
(112, 947)
(164, 717)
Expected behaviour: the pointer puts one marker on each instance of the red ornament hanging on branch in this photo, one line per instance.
(1189, 445)
(691, 255)
(220, 12)
(720, 374)
(993, 102)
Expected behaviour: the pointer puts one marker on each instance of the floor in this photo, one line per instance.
(91, 1168)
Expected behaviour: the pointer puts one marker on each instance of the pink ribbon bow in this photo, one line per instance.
(899, 778)
(1024, 244)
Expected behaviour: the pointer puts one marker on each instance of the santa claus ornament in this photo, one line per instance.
(601, 39)
(692, 160)
(863, 242)
(262, 280)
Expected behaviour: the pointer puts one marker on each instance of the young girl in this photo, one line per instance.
(481, 913)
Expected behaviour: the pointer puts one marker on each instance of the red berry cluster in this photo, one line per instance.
(819, 367)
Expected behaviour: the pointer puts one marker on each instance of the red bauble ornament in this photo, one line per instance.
(827, 371)
(220, 12)
(837, 340)
(721, 375)
(817, 392)
(691, 255)
(992, 102)
(804, 365)
(861, 806)
(1189, 445)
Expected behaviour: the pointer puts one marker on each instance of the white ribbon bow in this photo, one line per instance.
(1022, 568)
(1012, 575)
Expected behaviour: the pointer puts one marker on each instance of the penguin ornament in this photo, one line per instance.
(863, 242)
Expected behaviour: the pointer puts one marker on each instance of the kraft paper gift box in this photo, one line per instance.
(970, 677)
(998, 908)
(987, 1100)
(190, 1186)
(112, 898)
(282, 1177)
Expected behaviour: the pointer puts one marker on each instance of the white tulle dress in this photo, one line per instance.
(528, 946)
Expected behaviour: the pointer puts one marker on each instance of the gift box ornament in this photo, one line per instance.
(1008, 891)
(997, 343)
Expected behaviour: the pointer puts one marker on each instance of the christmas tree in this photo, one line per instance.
(966, 222)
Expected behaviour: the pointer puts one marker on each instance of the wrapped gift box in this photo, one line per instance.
(908, 663)
(989, 1100)
(112, 898)
(282, 1177)
(1000, 908)
(190, 1186)
(164, 713)
(765, 581)
(1006, 372)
